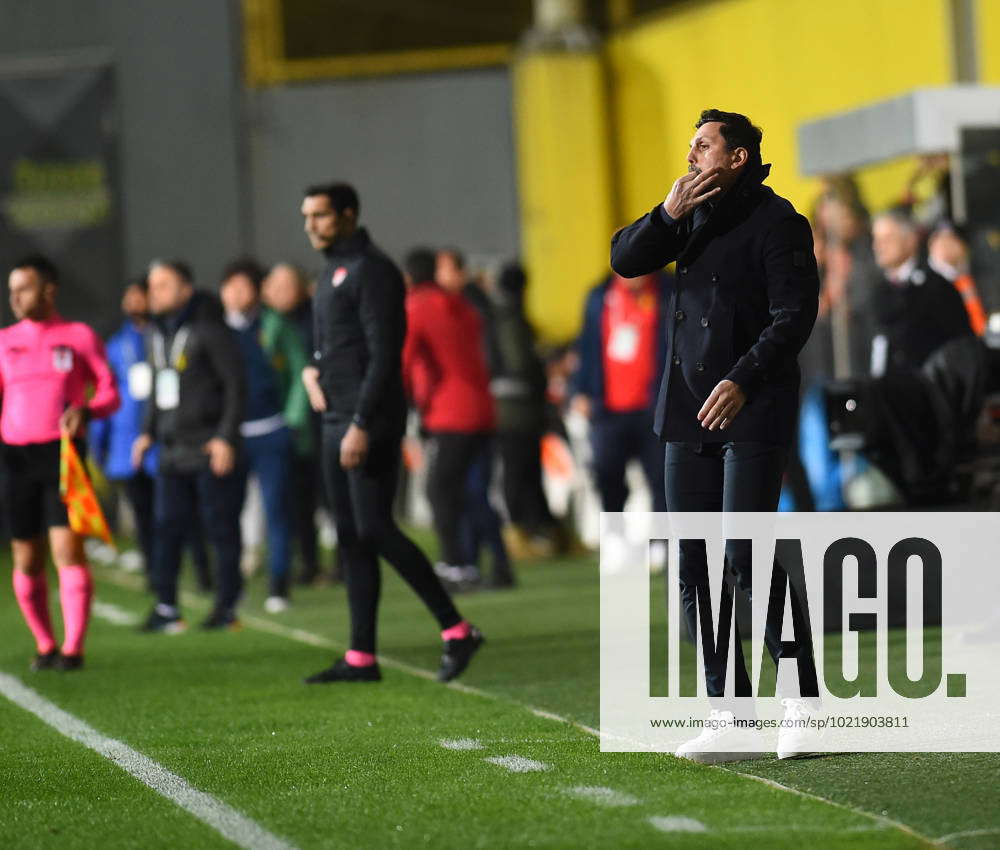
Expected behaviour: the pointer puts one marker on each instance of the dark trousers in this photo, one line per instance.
(140, 492)
(451, 456)
(615, 439)
(305, 498)
(269, 458)
(480, 522)
(523, 493)
(361, 502)
(218, 500)
(731, 477)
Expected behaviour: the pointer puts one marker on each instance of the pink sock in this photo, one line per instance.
(76, 588)
(356, 658)
(32, 594)
(459, 631)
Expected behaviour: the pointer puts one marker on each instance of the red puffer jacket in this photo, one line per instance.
(444, 362)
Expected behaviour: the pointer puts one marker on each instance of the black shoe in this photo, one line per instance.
(500, 581)
(222, 618)
(45, 661)
(341, 671)
(157, 622)
(458, 653)
(65, 663)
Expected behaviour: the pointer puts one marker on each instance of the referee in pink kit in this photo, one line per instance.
(47, 367)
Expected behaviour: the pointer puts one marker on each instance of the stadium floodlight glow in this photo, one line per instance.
(897, 613)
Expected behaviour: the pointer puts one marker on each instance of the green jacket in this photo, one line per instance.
(283, 345)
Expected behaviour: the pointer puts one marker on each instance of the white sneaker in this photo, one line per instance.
(721, 741)
(800, 740)
(448, 572)
(131, 561)
(275, 604)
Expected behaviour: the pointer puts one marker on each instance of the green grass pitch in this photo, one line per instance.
(362, 766)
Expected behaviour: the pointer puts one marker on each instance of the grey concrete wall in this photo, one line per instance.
(431, 155)
(179, 101)
(209, 170)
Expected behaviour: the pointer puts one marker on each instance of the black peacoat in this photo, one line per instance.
(743, 304)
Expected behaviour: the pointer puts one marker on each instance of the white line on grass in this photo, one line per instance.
(230, 823)
(603, 796)
(518, 764)
(678, 824)
(461, 744)
(968, 833)
(113, 614)
(302, 636)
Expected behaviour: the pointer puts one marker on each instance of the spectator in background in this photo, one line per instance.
(948, 255)
(446, 375)
(915, 309)
(110, 440)
(197, 405)
(622, 354)
(518, 385)
(841, 342)
(286, 291)
(273, 359)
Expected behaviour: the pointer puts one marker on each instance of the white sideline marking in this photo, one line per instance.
(603, 796)
(135, 583)
(461, 744)
(678, 824)
(230, 823)
(113, 614)
(518, 764)
(968, 833)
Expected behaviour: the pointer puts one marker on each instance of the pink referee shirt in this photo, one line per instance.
(46, 367)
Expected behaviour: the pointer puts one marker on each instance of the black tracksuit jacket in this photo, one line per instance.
(359, 319)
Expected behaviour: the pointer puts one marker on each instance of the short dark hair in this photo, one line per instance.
(738, 131)
(44, 267)
(342, 196)
(181, 268)
(457, 256)
(140, 280)
(246, 266)
(419, 264)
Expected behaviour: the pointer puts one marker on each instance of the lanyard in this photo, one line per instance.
(176, 348)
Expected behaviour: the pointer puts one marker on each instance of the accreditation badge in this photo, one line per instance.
(140, 380)
(623, 343)
(168, 389)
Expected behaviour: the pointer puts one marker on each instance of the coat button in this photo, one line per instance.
(679, 315)
(677, 360)
(700, 367)
(715, 278)
(683, 269)
(704, 321)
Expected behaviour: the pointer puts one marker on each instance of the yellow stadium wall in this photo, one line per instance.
(779, 61)
(988, 28)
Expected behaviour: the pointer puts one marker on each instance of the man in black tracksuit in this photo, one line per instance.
(744, 303)
(196, 405)
(357, 383)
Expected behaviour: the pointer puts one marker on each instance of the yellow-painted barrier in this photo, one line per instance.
(565, 182)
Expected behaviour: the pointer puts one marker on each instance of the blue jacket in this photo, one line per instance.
(263, 395)
(589, 378)
(111, 439)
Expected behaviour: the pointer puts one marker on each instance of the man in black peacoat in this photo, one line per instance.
(743, 305)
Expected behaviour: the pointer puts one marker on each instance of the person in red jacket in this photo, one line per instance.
(447, 378)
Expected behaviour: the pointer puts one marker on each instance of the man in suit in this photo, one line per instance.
(743, 305)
